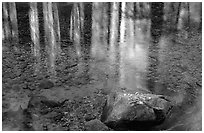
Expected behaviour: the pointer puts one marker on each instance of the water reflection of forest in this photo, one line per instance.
(141, 46)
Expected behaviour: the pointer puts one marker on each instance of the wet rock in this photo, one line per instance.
(41, 110)
(134, 110)
(95, 125)
(58, 94)
(42, 102)
(35, 104)
(41, 105)
(13, 120)
(46, 84)
(89, 117)
(28, 86)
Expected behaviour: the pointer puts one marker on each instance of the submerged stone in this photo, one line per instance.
(46, 84)
(136, 109)
(95, 125)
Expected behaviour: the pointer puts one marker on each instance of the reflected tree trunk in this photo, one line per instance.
(81, 28)
(122, 45)
(109, 23)
(172, 6)
(138, 10)
(78, 39)
(81, 21)
(130, 25)
(188, 7)
(97, 47)
(46, 29)
(3, 34)
(77, 30)
(13, 19)
(71, 28)
(141, 4)
(95, 29)
(57, 27)
(113, 37)
(5, 20)
(50, 38)
(135, 18)
(172, 18)
(105, 26)
(34, 28)
(14, 24)
(118, 40)
(200, 24)
(156, 31)
(83, 60)
(178, 14)
(87, 29)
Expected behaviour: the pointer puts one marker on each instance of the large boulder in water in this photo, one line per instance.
(134, 110)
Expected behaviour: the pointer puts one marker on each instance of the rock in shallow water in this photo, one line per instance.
(134, 110)
(46, 84)
(96, 125)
